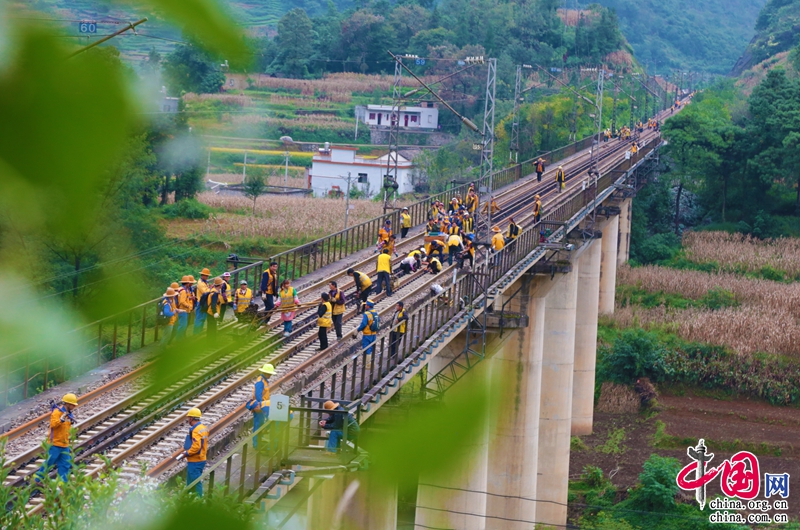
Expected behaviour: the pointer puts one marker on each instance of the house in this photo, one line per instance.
(331, 164)
(422, 117)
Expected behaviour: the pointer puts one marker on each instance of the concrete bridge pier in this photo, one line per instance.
(624, 244)
(352, 501)
(586, 338)
(456, 498)
(513, 458)
(608, 265)
(555, 417)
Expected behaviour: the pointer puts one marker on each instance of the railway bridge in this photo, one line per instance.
(524, 319)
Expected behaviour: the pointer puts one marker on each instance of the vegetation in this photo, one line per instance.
(671, 34)
(652, 503)
(775, 32)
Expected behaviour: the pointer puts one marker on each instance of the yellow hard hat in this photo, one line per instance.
(194, 413)
(72, 399)
(175, 285)
(329, 405)
(267, 369)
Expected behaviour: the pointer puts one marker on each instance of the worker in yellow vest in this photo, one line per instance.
(59, 455)
(537, 208)
(214, 308)
(186, 302)
(396, 335)
(498, 243)
(370, 324)
(195, 448)
(242, 298)
(363, 284)
(405, 222)
(324, 321)
(259, 402)
(202, 288)
(288, 302)
(168, 309)
(454, 246)
(384, 269)
(561, 179)
(338, 303)
(513, 230)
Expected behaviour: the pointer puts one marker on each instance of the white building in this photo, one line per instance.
(423, 117)
(328, 165)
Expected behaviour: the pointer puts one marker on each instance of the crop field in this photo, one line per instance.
(752, 315)
(288, 219)
(744, 254)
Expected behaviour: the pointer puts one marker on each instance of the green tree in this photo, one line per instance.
(294, 42)
(254, 186)
(189, 69)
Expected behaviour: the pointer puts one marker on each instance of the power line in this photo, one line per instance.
(606, 508)
(498, 517)
(124, 273)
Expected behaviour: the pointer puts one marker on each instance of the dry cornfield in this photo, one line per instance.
(765, 321)
(289, 217)
(228, 99)
(743, 253)
(320, 120)
(273, 177)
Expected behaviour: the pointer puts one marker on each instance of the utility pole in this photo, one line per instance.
(109, 37)
(244, 167)
(614, 111)
(599, 104)
(514, 147)
(487, 153)
(347, 201)
(286, 169)
(394, 131)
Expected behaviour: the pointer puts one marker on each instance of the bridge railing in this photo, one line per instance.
(365, 377)
(26, 374)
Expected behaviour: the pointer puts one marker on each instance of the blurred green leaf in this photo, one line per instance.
(64, 122)
(205, 22)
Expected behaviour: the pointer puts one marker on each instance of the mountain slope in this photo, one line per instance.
(687, 34)
(777, 31)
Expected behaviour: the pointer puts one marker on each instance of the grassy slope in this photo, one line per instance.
(777, 30)
(707, 36)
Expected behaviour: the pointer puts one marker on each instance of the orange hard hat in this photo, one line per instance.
(170, 292)
(329, 405)
(205, 272)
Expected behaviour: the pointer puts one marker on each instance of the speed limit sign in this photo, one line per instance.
(87, 27)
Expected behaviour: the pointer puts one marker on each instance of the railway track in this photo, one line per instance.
(142, 427)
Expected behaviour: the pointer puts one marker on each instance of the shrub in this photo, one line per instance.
(659, 247)
(636, 353)
(188, 209)
(593, 476)
(658, 486)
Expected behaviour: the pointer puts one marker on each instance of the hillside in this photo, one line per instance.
(705, 36)
(777, 29)
(681, 34)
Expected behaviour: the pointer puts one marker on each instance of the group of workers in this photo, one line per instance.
(195, 302)
(200, 303)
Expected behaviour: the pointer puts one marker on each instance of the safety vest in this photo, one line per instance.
(436, 264)
(325, 321)
(287, 299)
(414, 254)
(537, 208)
(202, 288)
(338, 308)
(383, 234)
(272, 282)
(363, 278)
(434, 211)
(214, 302)
(406, 220)
(59, 427)
(467, 224)
(498, 242)
(453, 241)
(225, 293)
(433, 227)
(560, 176)
(385, 263)
(401, 328)
(185, 299)
(371, 316)
(196, 443)
(243, 299)
(170, 302)
(454, 229)
(513, 231)
(260, 398)
(539, 167)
